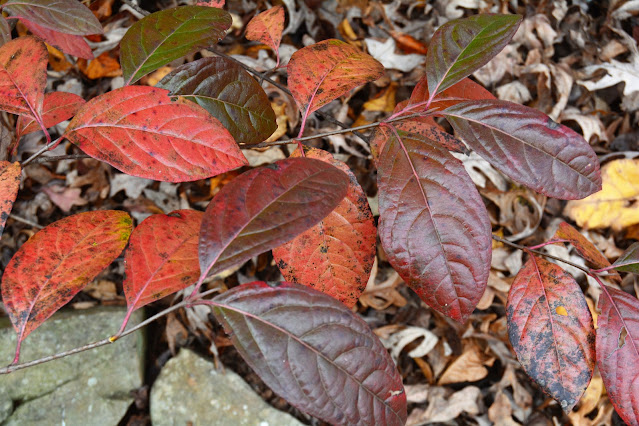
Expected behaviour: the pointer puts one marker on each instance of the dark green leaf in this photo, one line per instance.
(629, 260)
(64, 16)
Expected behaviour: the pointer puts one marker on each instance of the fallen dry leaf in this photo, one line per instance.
(442, 409)
(470, 366)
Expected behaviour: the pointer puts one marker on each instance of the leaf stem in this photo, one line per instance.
(42, 150)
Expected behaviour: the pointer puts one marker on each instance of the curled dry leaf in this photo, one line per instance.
(401, 337)
(470, 366)
(9, 184)
(267, 27)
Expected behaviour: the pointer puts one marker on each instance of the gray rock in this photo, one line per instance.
(92, 387)
(189, 390)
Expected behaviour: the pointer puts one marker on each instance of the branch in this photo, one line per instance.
(42, 150)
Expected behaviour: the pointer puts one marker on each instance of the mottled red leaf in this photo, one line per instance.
(629, 260)
(618, 351)
(58, 262)
(72, 44)
(138, 130)
(336, 255)
(551, 330)
(9, 184)
(228, 93)
(433, 224)
(57, 107)
(22, 92)
(324, 71)
(5, 31)
(314, 352)
(528, 146)
(264, 208)
(65, 16)
(161, 258)
(267, 27)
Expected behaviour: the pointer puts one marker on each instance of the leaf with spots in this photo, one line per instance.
(267, 27)
(57, 262)
(65, 16)
(528, 146)
(229, 93)
(336, 255)
(170, 34)
(462, 46)
(266, 207)
(314, 352)
(57, 107)
(72, 44)
(161, 258)
(5, 31)
(618, 351)
(324, 71)
(629, 260)
(10, 174)
(433, 224)
(551, 330)
(138, 130)
(22, 92)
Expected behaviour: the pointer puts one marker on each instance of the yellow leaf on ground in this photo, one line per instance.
(616, 205)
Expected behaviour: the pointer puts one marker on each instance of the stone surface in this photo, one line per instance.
(92, 387)
(189, 390)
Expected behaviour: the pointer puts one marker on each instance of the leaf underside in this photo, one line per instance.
(629, 260)
(65, 16)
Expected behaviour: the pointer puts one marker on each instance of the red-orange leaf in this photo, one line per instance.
(336, 255)
(138, 130)
(9, 185)
(551, 330)
(72, 44)
(324, 71)
(59, 261)
(58, 106)
(618, 351)
(267, 27)
(23, 76)
(462, 91)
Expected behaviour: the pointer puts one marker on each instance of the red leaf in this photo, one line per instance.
(9, 184)
(264, 208)
(138, 130)
(528, 146)
(161, 258)
(57, 107)
(433, 225)
(618, 351)
(551, 330)
(314, 352)
(267, 27)
(466, 89)
(72, 44)
(59, 261)
(23, 76)
(324, 71)
(336, 255)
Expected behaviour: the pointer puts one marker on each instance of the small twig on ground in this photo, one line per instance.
(25, 221)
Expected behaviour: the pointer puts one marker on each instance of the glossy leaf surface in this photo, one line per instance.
(229, 93)
(433, 224)
(10, 174)
(336, 255)
(629, 260)
(23, 92)
(528, 146)
(267, 28)
(462, 46)
(58, 262)
(57, 107)
(162, 257)
(170, 34)
(324, 71)
(314, 352)
(551, 330)
(618, 351)
(264, 208)
(65, 16)
(138, 130)
(5, 31)
(72, 44)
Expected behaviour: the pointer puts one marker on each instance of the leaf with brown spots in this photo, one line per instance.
(618, 351)
(267, 27)
(21, 91)
(266, 207)
(72, 44)
(551, 330)
(9, 184)
(161, 258)
(324, 71)
(170, 34)
(336, 255)
(57, 262)
(57, 107)
(65, 16)
(138, 130)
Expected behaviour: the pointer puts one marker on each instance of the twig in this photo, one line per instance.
(43, 149)
(59, 157)
(25, 221)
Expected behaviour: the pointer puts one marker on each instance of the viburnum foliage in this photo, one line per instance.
(301, 336)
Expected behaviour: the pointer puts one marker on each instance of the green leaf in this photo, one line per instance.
(167, 35)
(629, 260)
(229, 93)
(64, 16)
(462, 46)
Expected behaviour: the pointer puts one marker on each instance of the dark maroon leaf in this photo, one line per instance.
(65, 16)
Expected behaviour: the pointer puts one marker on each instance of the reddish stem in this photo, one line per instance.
(547, 243)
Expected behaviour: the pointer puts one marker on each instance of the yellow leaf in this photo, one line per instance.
(616, 205)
